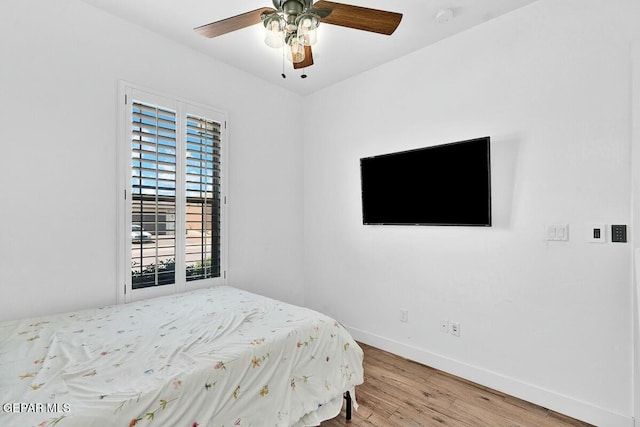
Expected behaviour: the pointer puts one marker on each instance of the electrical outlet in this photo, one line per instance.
(404, 315)
(455, 329)
(444, 326)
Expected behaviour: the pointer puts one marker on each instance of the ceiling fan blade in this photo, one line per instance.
(308, 59)
(360, 18)
(234, 23)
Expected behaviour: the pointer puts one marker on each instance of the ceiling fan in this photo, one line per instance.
(293, 23)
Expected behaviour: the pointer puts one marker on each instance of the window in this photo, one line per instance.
(173, 207)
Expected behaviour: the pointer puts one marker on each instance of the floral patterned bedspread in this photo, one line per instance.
(211, 357)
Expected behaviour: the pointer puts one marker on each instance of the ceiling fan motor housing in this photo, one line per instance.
(292, 7)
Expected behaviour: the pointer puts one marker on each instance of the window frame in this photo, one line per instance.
(127, 92)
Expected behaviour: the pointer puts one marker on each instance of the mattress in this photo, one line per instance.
(211, 357)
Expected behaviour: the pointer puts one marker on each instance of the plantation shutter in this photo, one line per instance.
(153, 195)
(202, 219)
(173, 210)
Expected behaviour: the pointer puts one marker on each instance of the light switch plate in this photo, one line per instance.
(557, 232)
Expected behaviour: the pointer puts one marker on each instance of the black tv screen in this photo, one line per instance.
(446, 184)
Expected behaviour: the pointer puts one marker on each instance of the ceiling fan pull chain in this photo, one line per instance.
(284, 76)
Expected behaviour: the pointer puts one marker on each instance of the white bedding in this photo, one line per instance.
(212, 357)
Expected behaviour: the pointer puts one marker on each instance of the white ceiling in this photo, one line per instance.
(339, 53)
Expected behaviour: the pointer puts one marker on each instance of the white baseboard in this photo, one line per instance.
(546, 398)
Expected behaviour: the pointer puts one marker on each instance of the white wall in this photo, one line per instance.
(635, 111)
(59, 68)
(547, 321)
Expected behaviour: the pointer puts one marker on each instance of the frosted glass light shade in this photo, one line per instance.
(295, 50)
(307, 24)
(274, 35)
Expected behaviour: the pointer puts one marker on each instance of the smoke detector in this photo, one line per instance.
(444, 15)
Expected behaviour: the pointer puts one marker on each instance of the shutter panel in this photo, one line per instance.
(202, 173)
(153, 195)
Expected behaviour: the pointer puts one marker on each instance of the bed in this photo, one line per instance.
(211, 357)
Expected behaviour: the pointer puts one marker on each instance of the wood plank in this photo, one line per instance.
(414, 394)
(401, 393)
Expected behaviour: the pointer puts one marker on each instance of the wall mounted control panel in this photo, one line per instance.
(619, 233)
(595, 233)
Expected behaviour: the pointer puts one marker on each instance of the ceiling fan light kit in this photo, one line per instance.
(292, 24)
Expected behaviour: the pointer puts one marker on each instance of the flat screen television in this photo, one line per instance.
(446, 184)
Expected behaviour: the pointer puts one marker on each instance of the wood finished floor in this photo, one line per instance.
(400, 393)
